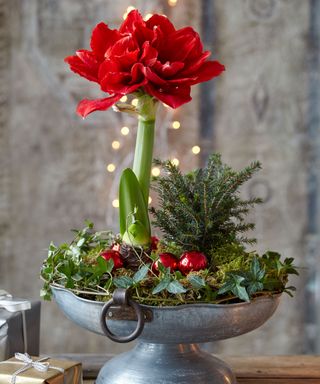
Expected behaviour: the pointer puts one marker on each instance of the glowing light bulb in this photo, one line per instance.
(176, 124)
(172, 3)
(125, 131)
(149, 200)
(115, 145)
(196, 150)
(115, 203)
(148, 16)
(175, 162)
(134, 102)
(111, 167)
(155, 171)
(124, 99)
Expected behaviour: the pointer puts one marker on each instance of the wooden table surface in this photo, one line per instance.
(302, 369)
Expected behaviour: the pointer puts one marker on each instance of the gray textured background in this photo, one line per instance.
(266, 106)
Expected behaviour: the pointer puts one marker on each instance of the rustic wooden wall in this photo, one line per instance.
(53, 165)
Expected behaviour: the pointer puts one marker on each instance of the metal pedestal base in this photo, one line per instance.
(150, 363)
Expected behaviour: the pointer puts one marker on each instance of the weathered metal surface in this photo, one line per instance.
(165, 364)
(166, 352)
(127, 313)
(196, 323)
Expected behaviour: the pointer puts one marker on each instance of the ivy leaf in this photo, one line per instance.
(254, 287)
(123, 282)
(175, 287)
(109, 265)
(81, 241)
(76, 277)
(178, 275)
(255, 277)
(197, 282)
(102, 265)
(233, 284)
(65, 269)
(75, 252)
(162, 285)
(141, 274)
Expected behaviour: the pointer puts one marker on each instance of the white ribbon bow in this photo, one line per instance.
(40, 365)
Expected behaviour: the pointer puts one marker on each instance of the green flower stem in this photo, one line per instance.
(143, 155)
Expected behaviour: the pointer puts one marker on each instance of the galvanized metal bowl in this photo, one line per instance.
(166, 350)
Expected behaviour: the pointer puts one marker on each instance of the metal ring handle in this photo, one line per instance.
(120, 297)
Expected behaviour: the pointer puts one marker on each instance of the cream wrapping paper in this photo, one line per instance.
(72, 372)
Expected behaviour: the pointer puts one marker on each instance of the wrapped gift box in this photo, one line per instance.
(19, 326)
(58, 371)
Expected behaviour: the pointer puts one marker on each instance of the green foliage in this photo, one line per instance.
(79, 267)
(234, 284)
(202, 210)
(78, 263)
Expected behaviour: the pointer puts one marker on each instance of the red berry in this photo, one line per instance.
(154, 243)
(168, 260)
(114, 255)
(192, 261)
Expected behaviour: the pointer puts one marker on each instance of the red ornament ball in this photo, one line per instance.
(114, 255)
(168, 260)
(154, 243)
(192, 261)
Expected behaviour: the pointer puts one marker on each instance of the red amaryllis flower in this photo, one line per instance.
(151, 56)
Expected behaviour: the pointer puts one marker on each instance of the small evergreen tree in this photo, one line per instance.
(202, 210)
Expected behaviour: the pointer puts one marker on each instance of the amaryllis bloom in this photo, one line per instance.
(150, 56)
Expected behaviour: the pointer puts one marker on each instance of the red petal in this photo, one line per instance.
(115, 82)
(161, 22)
(182, 43)
(128, 25)
(124, 82)
(193, 66)
(85, 107)
(141, 33)
(83, 68)
(123, 46)
(170, 69)
(209, 70)
(126, 61)
(106, 67)
(172, 96)
(149, 54)
(153, 77)
(102, 38)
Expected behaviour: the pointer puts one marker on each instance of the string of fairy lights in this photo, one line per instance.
(125, 129)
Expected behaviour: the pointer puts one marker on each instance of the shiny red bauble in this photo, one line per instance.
(154, 243)
(114, 255)
(168, 260)
(192, 261)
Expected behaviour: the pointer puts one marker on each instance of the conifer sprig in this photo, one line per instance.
(202, 210)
